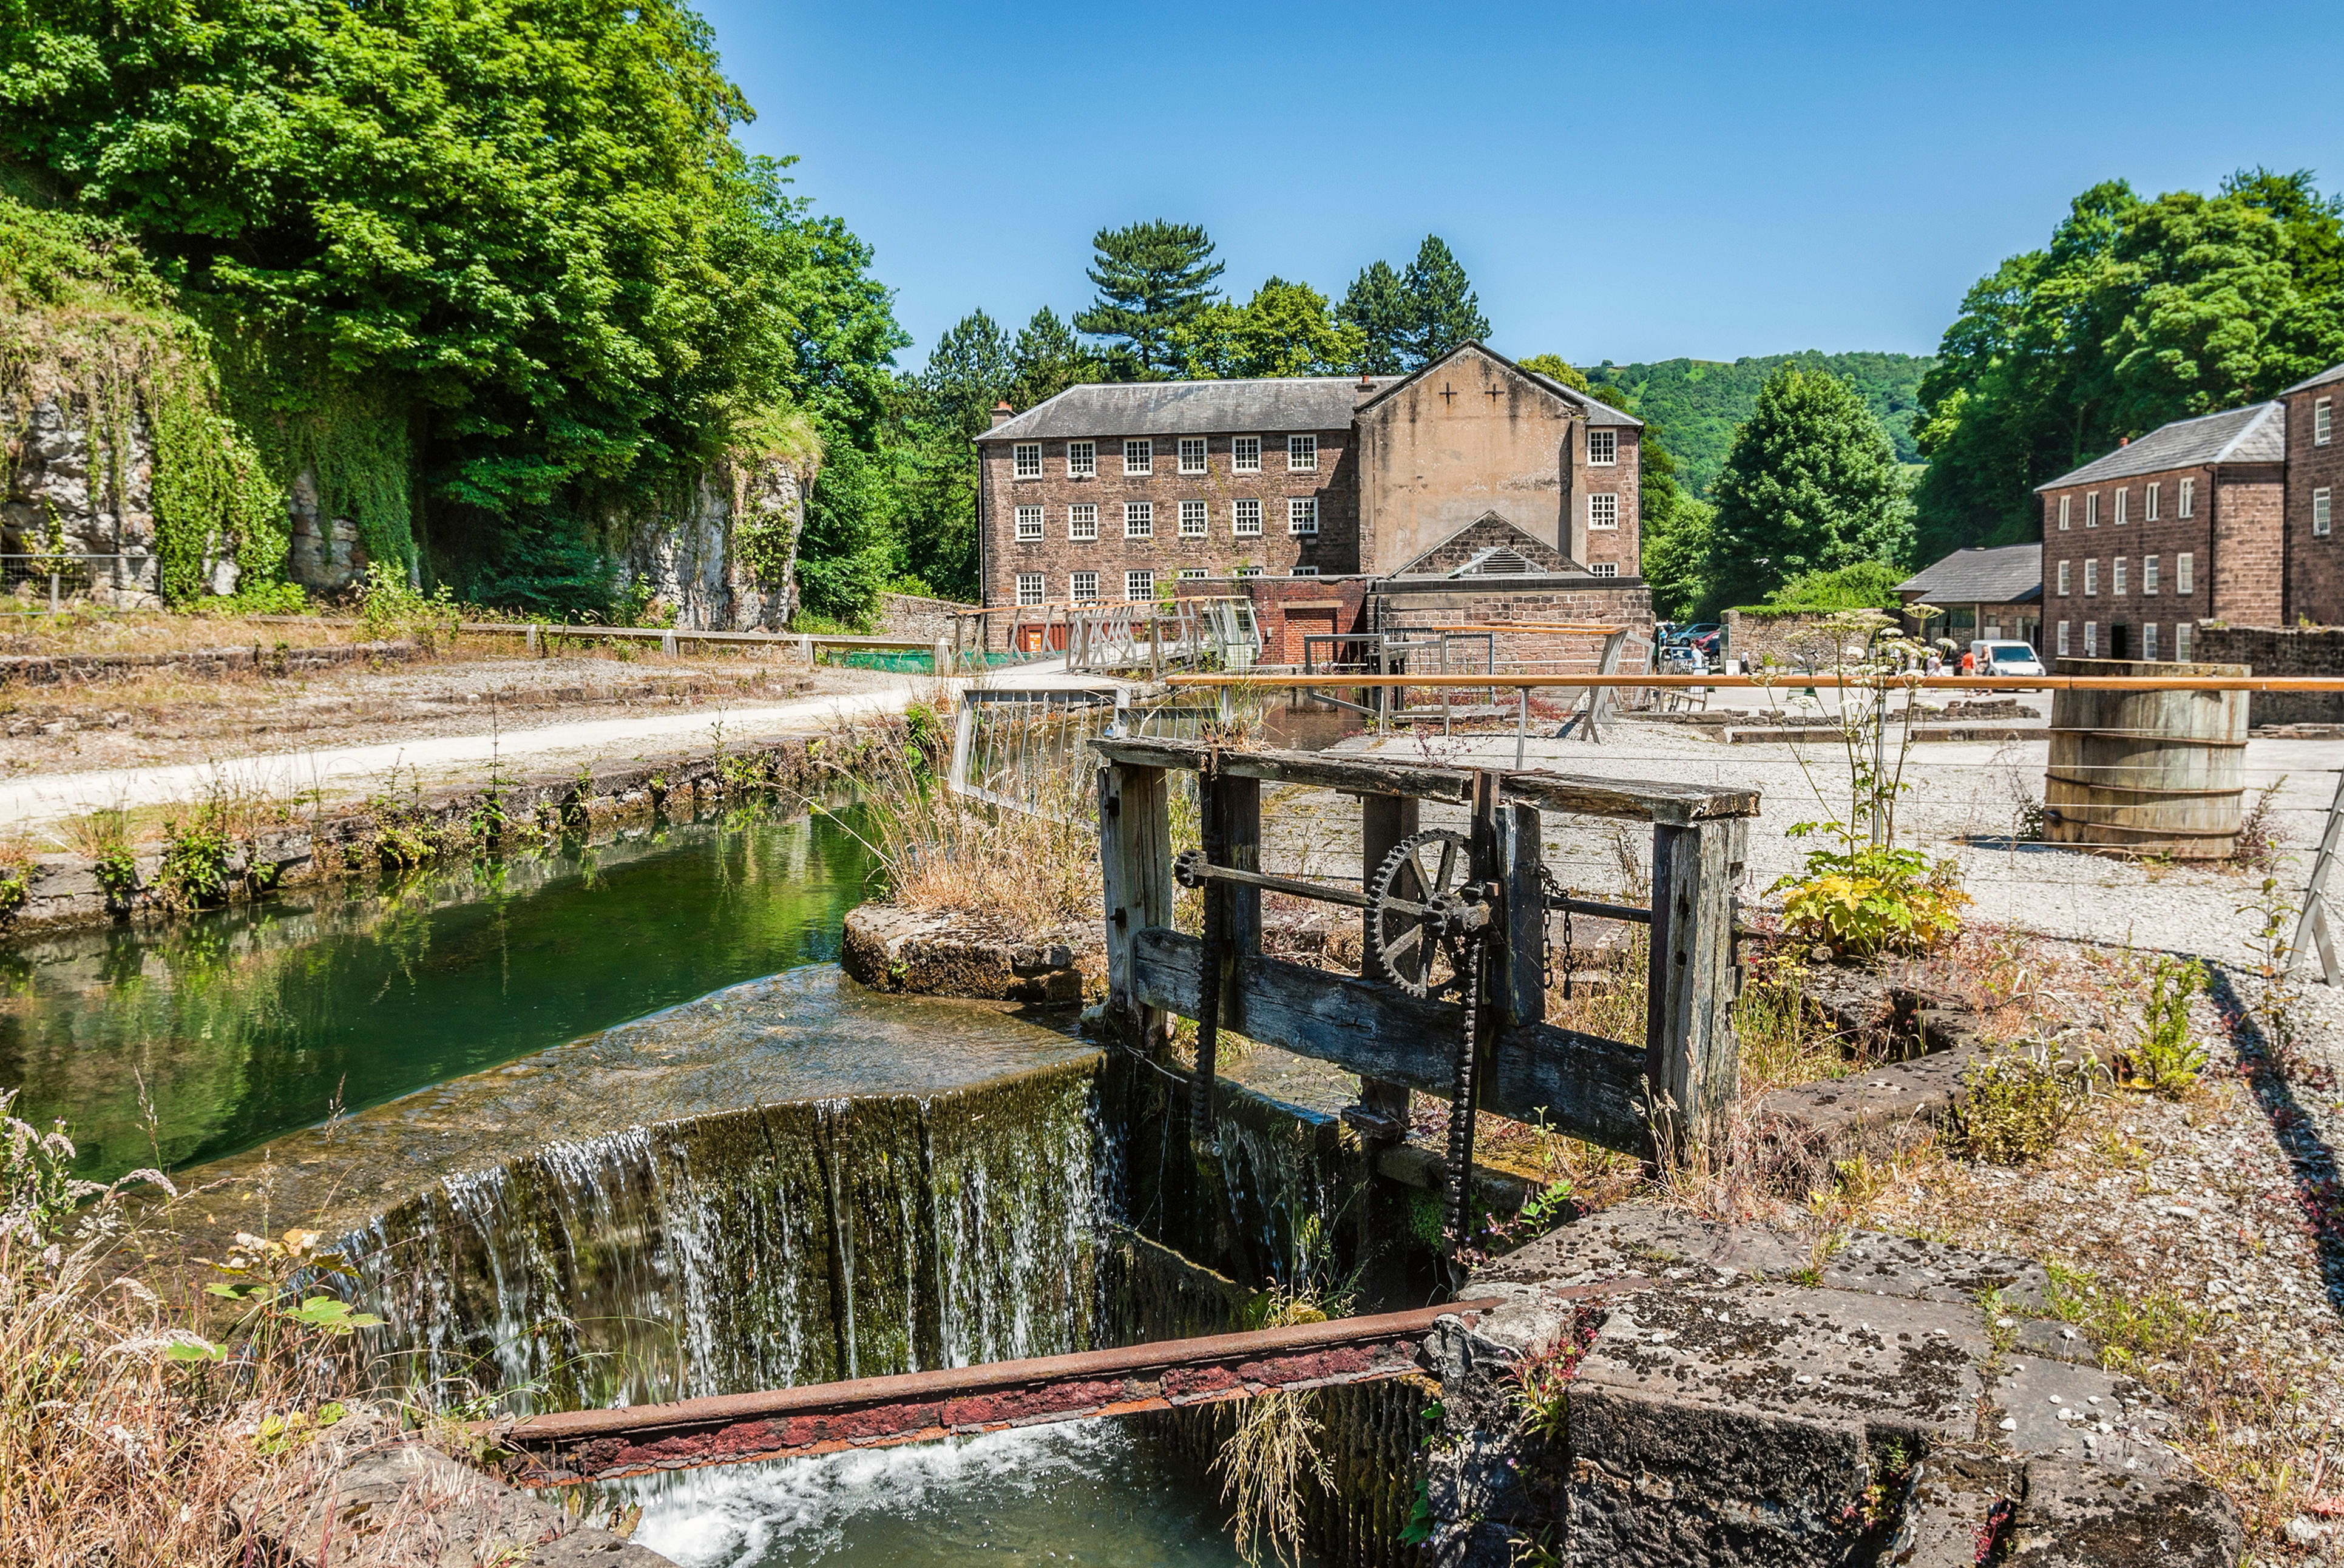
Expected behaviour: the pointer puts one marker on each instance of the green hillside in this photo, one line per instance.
(1699, 403)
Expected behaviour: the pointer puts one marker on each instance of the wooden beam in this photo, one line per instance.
(1689, 1049)
(1652, 800)
(1588, 1086)
(1135, 867)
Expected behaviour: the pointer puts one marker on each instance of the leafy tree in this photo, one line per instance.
(2135, 314)
(1811, 484)
(1441, 310)
(1283, 330)
(1702, 402)
(847, 552)
(1375, 306)
(1046, 359)
(1152, 278)
(1678, 546)
(1555, 367)
(518, 235)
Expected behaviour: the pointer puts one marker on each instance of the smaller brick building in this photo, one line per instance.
(2182, 526)
(2315, 482)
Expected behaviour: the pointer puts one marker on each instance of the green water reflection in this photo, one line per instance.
(243, 1024)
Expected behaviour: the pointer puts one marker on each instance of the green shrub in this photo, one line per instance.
(195, 869)
(1866, 585)
(1863, 902)
(116, 870)
(2016, 1099)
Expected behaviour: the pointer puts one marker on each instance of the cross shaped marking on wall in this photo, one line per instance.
(1446, 392)
(1492, 393)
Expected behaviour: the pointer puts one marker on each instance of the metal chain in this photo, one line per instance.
(1458, 1220)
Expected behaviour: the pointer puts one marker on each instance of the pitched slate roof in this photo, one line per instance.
(2333, 373)
(2255, 434)
(1596, 413)
(2007, 574)
(1273, 404)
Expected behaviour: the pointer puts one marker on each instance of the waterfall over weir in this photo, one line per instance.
(765, 1248)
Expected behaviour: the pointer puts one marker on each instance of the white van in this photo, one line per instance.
(2006, 659)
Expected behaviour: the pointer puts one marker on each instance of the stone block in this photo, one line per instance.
(374, 1498)
(1883, 1265)
(1662, 1478)
(1958, 1504)
(2057, 1408)
(2078, 1514)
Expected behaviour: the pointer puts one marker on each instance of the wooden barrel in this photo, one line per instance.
(2145, 772)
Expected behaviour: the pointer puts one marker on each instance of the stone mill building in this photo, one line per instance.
(1471, 489)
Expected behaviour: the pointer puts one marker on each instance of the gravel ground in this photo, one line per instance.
(174, 717)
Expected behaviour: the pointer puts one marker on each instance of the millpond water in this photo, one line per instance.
(254, 1020)
(609, 1126)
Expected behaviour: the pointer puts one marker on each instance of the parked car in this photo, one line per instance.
(1672, 633)
(2006, 658)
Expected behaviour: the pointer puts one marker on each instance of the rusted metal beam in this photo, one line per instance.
(1781, 680)
(570, 1446)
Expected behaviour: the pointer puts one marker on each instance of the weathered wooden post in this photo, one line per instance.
(1231, 813)
(1135, 867)
(1689, 1066)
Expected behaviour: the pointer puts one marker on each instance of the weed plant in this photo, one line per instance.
(2166, 1057)
(2016, 1101)
(1861, 895)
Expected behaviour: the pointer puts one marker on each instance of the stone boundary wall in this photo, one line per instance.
(2280, 650)
(1795, 641)
(909, 615)
(51, 670)
(594, 799)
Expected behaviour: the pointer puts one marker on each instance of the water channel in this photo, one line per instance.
(608, 1125)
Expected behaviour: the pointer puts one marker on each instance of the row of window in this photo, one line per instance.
(1245, 518)
(1139, 456)
(2152, 501)
(2185, 566)
(1245, 455)
(1082, 588)
(1139, 520)
(2181, 632)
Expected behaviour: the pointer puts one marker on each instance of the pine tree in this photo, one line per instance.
(1152, 277)
(1047, 359)
(969, 370)
(1376, 308)
(1439, 309)
(1811, 485)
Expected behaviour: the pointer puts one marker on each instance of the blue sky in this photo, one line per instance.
(1625, 182)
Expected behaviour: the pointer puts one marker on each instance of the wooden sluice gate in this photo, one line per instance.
(571, 1446)
(1453, 997)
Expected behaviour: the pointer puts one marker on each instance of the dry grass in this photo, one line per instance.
(123, 1440)
(82, 629)
(1025, 870)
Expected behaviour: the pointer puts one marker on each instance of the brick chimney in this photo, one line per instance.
(1003, 413)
